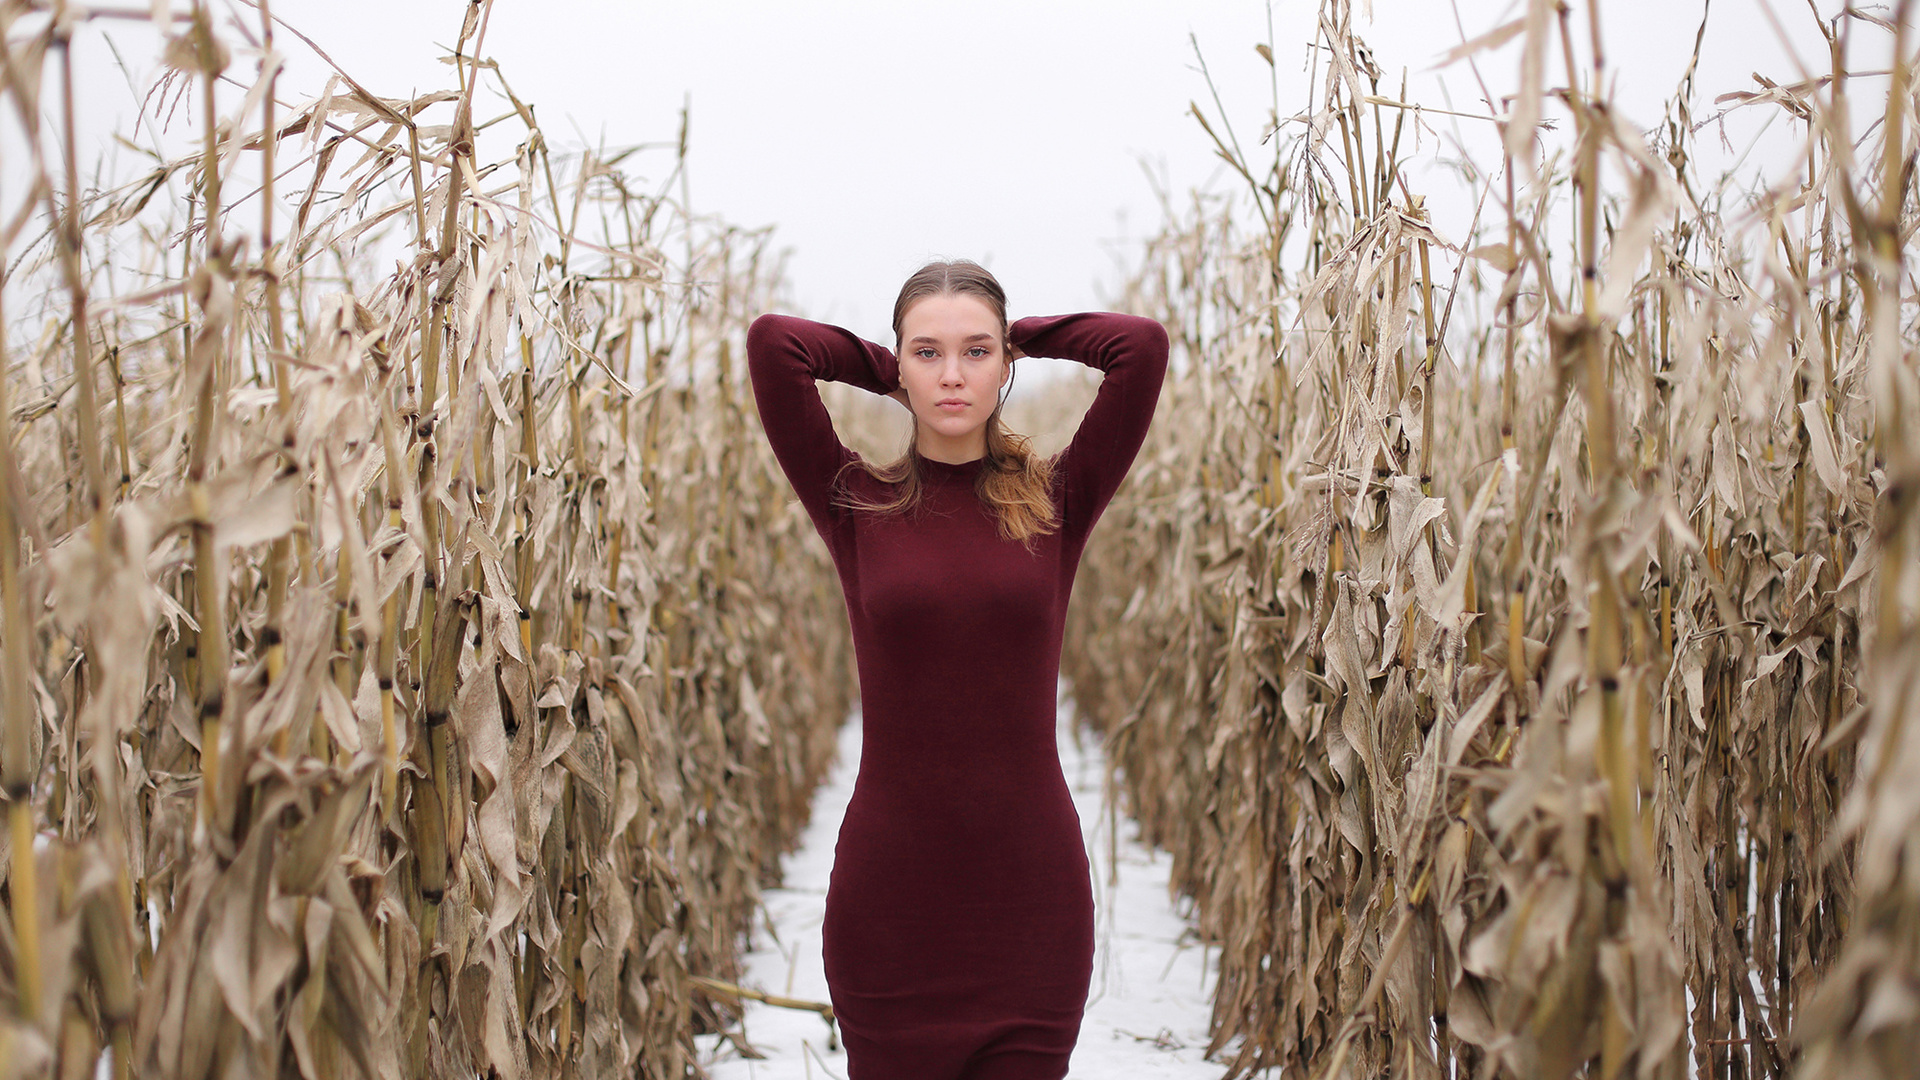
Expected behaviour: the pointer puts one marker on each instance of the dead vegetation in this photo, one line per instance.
(1521, 662)
(402, 674)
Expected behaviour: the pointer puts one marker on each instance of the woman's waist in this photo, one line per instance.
(980, 720)
(926, 838)
(950, 795)
(941, 766)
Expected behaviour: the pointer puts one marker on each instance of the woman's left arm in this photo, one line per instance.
(1131, 351)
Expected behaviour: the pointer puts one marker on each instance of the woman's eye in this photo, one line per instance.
(925, 354)
(978, 350)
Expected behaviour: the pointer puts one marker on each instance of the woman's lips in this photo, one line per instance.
(953, 406)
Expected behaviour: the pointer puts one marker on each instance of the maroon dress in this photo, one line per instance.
(959, 926)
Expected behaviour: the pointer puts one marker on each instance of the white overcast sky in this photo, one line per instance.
(875, 135)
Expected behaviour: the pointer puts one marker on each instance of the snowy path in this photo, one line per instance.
(1146, 1012)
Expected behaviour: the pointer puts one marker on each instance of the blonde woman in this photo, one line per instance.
(959, 928)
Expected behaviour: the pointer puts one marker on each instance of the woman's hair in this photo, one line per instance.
(1014, 481)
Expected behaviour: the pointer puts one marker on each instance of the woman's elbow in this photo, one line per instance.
(1152, 335)
(766, 330)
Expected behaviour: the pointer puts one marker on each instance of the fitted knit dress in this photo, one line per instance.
(959, 927)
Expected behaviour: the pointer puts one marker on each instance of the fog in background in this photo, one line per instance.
(1037, 137)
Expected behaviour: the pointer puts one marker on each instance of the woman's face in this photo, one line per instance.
(952, 367)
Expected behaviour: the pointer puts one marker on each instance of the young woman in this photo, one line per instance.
(959, 928)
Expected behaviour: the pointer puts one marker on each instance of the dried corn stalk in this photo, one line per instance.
(1533, 705)
(401, 669)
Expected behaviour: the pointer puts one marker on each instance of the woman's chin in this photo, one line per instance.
(947, 433)
(950, 427)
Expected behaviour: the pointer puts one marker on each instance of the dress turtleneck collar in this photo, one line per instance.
(932, 468)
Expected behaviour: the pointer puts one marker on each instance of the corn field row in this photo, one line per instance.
(402, 675)
(1522, 662)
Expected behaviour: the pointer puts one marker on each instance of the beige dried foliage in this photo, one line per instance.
(409, 672)
(1497, 700)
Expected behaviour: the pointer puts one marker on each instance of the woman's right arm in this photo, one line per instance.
(785, 355)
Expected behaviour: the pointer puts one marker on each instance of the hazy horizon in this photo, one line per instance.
(873, 136)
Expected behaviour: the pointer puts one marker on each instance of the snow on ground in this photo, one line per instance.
(1146, 1011)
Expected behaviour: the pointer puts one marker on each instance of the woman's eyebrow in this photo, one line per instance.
(936, 341)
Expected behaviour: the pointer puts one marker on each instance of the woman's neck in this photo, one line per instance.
(952, 450)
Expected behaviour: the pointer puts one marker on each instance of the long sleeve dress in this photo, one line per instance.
(959, 925)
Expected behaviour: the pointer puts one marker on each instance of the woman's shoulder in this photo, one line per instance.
(864, 479)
